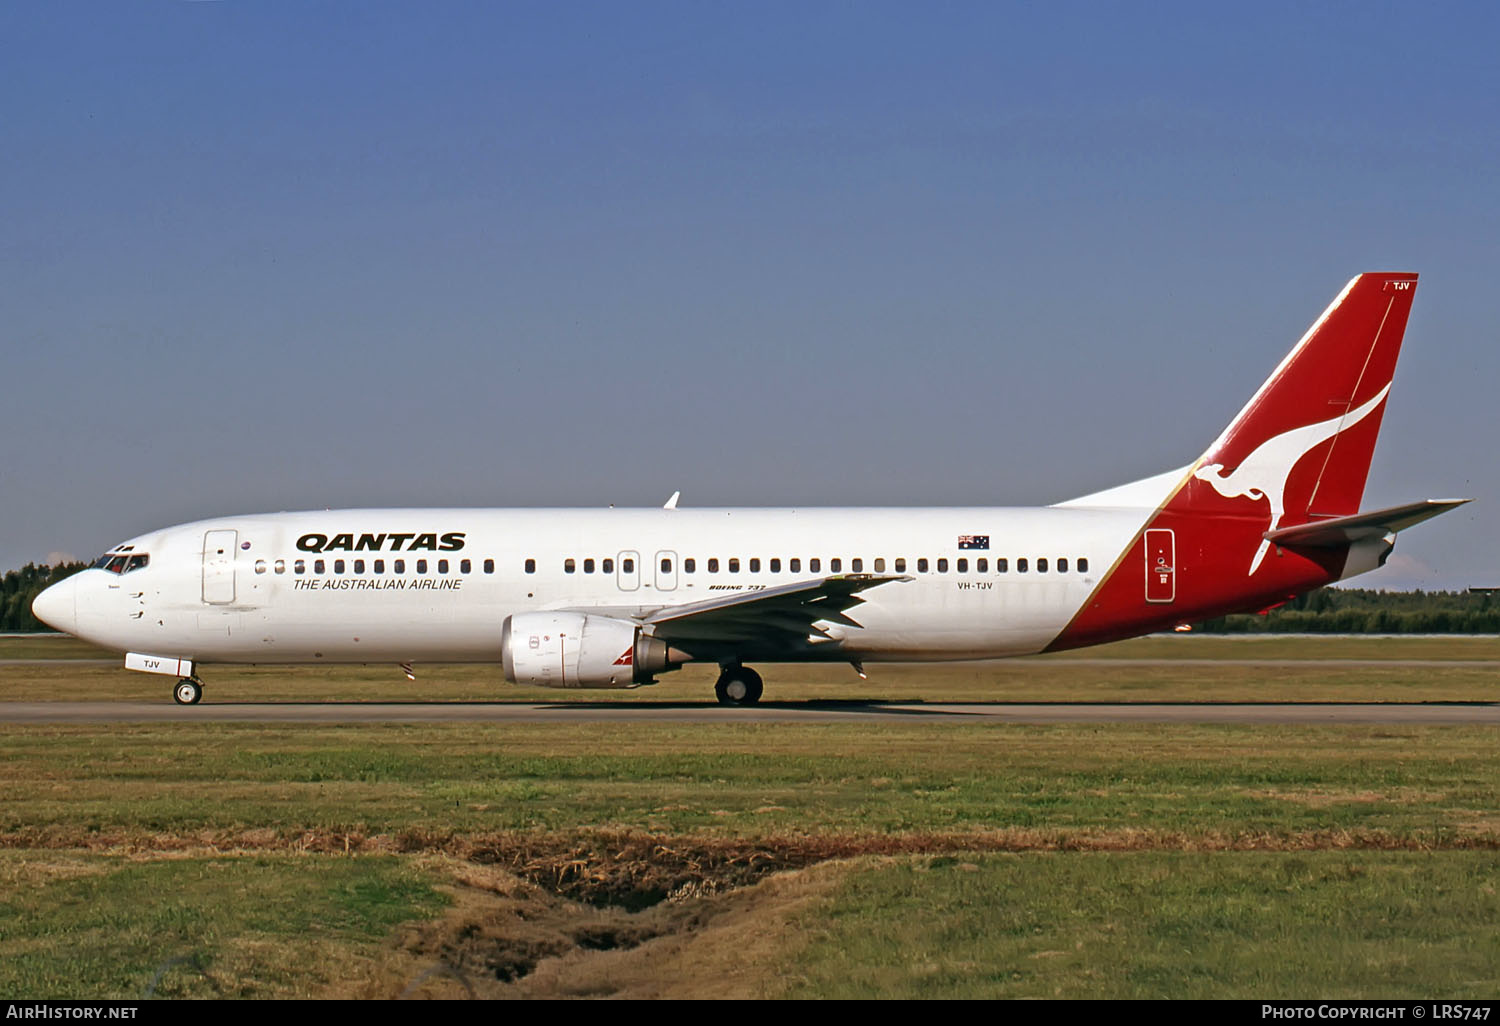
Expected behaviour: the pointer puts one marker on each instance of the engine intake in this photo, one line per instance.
(577, 650)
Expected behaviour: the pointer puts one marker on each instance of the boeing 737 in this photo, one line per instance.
(611, 598)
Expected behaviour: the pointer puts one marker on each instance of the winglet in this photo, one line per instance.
(672, 502)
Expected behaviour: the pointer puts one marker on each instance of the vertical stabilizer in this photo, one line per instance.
(1303, 443)
(1297, 454)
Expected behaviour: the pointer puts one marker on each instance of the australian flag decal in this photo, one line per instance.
(974, 541)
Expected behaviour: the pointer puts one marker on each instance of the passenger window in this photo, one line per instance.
(531, 566)
(380, 566)
(465, 566)
(1041, 565)
(734, 564)
(900, 564)
(318, 566)
(489, 566)
(421, 566)
(963, 566)
(1021, 565)
(588, 566)
(922, 565)
(260, 566)
(689, 565)
(1001, 564)
(1062, 564)
(607, 565)
(666, 566)
(857, 564)
(627, 566)
(299, 567)
(815, 565)
(359, 566)
(942, 564)
(569, 565)
(755, 564)
(713, 564)
(399, 566)
(776, 564)
(338, 566)
(442, 566)
(1083, 564)
(982, 565)
(879, 564)
(796, 564)
(835, 565)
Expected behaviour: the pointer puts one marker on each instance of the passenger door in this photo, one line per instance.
(219, 549)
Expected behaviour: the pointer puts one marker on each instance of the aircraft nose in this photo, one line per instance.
(57, 606)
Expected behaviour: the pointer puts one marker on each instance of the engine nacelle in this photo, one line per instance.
(576, 650)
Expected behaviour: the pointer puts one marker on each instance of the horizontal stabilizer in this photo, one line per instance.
(1360, 526)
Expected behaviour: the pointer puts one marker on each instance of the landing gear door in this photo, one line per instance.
(218, 567)
(1161, 565)
(628, 571)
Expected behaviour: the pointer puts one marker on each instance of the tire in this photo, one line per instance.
(739, 685)
(187, 692)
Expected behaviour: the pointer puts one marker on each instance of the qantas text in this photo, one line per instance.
(408, 542)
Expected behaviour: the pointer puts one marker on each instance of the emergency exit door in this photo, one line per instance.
(666, 570)
(1161, 565)
(628, 571)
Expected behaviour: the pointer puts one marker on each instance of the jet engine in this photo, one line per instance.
(577, 650)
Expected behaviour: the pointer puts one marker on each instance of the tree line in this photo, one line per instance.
(1364, 611)
(19, 587)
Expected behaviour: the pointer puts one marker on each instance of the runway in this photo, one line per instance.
(1407, 713)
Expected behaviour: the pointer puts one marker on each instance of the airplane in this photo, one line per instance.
(611, 598)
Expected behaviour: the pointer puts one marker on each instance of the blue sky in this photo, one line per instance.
(276, 256)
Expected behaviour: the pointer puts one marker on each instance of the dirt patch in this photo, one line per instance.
(506, 936)
(636, 872)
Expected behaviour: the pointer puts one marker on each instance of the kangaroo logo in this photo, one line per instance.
(1263, 474)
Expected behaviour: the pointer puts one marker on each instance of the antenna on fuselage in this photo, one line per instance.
(672, 502)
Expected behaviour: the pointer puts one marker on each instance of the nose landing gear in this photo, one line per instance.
(738, 685)
(188, 691)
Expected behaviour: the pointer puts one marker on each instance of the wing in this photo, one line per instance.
(772, 622)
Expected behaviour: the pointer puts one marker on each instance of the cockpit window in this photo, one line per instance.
(121, 562)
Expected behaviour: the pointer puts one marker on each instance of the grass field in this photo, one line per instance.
(1126, 860)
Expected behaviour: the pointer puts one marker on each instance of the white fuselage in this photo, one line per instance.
(240, 589)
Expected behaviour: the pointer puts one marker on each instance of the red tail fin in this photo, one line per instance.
(1299, 452)
(1305, 440)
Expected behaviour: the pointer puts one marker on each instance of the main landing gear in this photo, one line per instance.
(188, 691)
(738, 685)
